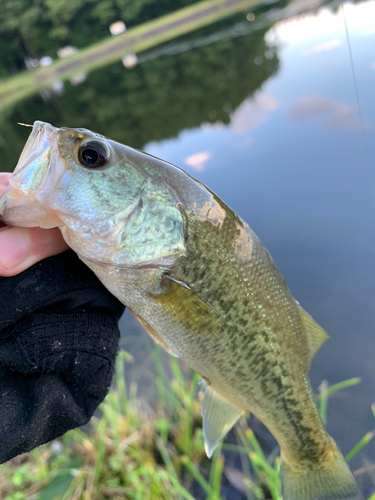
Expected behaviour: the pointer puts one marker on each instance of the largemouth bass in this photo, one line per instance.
(200, 282)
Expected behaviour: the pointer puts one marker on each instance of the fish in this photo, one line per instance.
(199, 281)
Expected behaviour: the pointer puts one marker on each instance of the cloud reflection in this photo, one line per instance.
(198, 161)
(342, 115)
(251, 112)
(324, 23)
(212, 127)
(324, 47)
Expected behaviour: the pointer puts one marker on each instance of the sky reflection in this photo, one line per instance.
(286, 139)
(296, 162)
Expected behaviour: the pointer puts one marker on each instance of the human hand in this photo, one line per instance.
(21, 247)
(58, 343)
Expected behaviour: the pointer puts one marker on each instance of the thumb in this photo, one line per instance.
(22, 247)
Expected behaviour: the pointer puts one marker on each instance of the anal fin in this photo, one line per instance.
(219, 416)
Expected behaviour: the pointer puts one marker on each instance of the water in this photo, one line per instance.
(272, 118)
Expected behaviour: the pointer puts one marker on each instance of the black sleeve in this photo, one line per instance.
(58, 343)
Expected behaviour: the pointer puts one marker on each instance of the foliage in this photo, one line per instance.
(137, 452)
(155, 100)
(36, 28)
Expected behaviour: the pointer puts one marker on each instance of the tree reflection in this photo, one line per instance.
(154, 101)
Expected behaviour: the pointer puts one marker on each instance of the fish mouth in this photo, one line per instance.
(33, 163)
(19, 204)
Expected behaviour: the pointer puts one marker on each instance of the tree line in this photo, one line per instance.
(36, 28)
(155, 100)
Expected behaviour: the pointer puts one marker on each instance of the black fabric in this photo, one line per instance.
(58, 343)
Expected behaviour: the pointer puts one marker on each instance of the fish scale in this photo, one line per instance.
(245, 337)
(199, 281)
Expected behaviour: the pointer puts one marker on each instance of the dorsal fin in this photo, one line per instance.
(316, 336)
(218, 415)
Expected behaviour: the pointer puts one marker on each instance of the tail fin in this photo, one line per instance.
(335, 482)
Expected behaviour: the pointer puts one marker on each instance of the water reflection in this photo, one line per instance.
(340, 114)
(158, 98)
(301, 176)
(197, 161)
(252, 112)
(270, 121)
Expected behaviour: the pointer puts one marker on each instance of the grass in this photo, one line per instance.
(134, 451)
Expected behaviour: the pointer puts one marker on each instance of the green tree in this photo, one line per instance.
(40, 27)
(19, 19)
(155, 100)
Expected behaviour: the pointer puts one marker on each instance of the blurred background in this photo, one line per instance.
(272, 106)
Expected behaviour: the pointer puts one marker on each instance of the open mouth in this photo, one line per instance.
(18, 204)
(32, 165)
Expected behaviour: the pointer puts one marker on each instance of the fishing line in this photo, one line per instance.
(366, 150)
(354, 75)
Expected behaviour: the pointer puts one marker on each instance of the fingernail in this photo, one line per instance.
(14, 247)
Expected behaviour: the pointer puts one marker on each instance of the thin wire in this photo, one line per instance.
(366, 149)
(354, 77)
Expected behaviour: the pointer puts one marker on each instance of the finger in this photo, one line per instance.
(4, 182)
(22, 247)
(4, 176)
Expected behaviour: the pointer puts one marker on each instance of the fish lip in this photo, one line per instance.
(41, 138)
(40, 130)
(19, 204)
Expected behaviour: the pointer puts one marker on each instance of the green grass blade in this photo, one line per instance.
(326, 390)
(323, 401)
(216, 472)
(194, 471)
(172, 471)
(358, 447)
(343, 385)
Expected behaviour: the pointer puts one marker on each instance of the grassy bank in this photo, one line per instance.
(137, 452)
(133, 41)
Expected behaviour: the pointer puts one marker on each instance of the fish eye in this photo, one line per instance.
(93, 154)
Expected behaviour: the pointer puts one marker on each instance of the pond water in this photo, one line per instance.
(275, 112)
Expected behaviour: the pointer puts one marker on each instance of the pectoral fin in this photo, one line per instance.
(316, 336)
(193, 314)
(219, 416)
